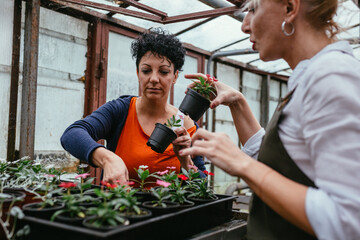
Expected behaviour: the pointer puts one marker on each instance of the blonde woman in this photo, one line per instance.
(306, 179)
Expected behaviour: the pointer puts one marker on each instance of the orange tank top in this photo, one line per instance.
(134, 152)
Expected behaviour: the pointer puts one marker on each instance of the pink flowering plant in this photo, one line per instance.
(84, 182)
(143, 174)
(160, 193)
(126, 201)
(169, 175)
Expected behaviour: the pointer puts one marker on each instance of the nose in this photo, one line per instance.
(154, 78)
(245, 27)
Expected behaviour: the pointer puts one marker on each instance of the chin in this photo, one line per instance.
(267, 57)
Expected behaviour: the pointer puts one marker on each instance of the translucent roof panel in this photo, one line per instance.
(224, 33)
(172, 8)
(214, 34)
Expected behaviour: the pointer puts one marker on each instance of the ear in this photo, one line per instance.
(176, 76)
(292, 9)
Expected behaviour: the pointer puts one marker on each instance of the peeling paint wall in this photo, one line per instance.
(62, 61)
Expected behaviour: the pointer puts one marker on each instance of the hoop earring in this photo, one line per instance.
(284, 31)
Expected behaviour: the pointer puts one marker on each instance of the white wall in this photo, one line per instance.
(62, 61)
(121, 72)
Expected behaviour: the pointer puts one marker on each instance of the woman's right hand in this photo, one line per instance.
(225, 94)
(115, 170)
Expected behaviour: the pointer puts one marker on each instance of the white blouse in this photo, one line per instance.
(321, 133)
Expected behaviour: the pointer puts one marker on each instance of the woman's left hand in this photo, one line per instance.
(182, 141)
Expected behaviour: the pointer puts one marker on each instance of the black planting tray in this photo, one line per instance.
(177, 225)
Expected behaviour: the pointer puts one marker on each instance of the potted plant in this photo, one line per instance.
(161, 204)
(74, 204)
(72, 213)
(105, 216)
(200, 193)
(169, 175)
(8, 222)
(10, 213)
(197, 99)
(48, 204)
(163, 135)
(128, 205)
(144, 175)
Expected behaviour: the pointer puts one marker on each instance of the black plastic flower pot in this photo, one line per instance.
(161, 138)
(35, 210)
(133, 217)
(87, 222)
(160, 210)
(67, 219)
(198, 200)
(194, 105)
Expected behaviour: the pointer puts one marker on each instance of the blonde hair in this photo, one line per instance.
(319, 13)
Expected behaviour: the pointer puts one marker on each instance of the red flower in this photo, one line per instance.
(130, 183)
(67, 184)
(208, 173)
(182, 177)
(109, 185)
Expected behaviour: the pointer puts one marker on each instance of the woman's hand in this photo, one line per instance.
(220, 150)
(181, 142)
(225, 94)
(115, 170)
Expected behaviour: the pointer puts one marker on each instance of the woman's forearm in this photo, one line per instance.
(245, 122)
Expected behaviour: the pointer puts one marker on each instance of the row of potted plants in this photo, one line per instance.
(79, 202)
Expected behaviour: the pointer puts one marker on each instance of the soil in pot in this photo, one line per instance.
(194, 104)
(87, 222)
(133, 217)
(161, 138)
(35, 210)
(159, 210)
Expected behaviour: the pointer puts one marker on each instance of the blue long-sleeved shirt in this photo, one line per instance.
(80, 138)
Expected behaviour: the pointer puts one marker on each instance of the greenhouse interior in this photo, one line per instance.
(69, 67)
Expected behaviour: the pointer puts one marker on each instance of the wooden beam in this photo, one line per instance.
(119, 10)
(145, 8)
(29, 86)
(203, 14)
(15, 65)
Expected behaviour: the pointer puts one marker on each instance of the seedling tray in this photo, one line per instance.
(177, 225)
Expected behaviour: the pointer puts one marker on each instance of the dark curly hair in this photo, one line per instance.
(161, 44)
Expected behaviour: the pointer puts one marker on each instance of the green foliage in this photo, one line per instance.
(204, 88)
(143, 174)
(161, 194)
(172, 122)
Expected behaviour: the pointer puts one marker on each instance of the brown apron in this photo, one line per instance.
(263, 222)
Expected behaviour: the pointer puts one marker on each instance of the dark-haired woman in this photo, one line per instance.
(306, 179)
(127, 122)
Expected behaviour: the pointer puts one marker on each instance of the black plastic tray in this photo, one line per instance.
(177, 225)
